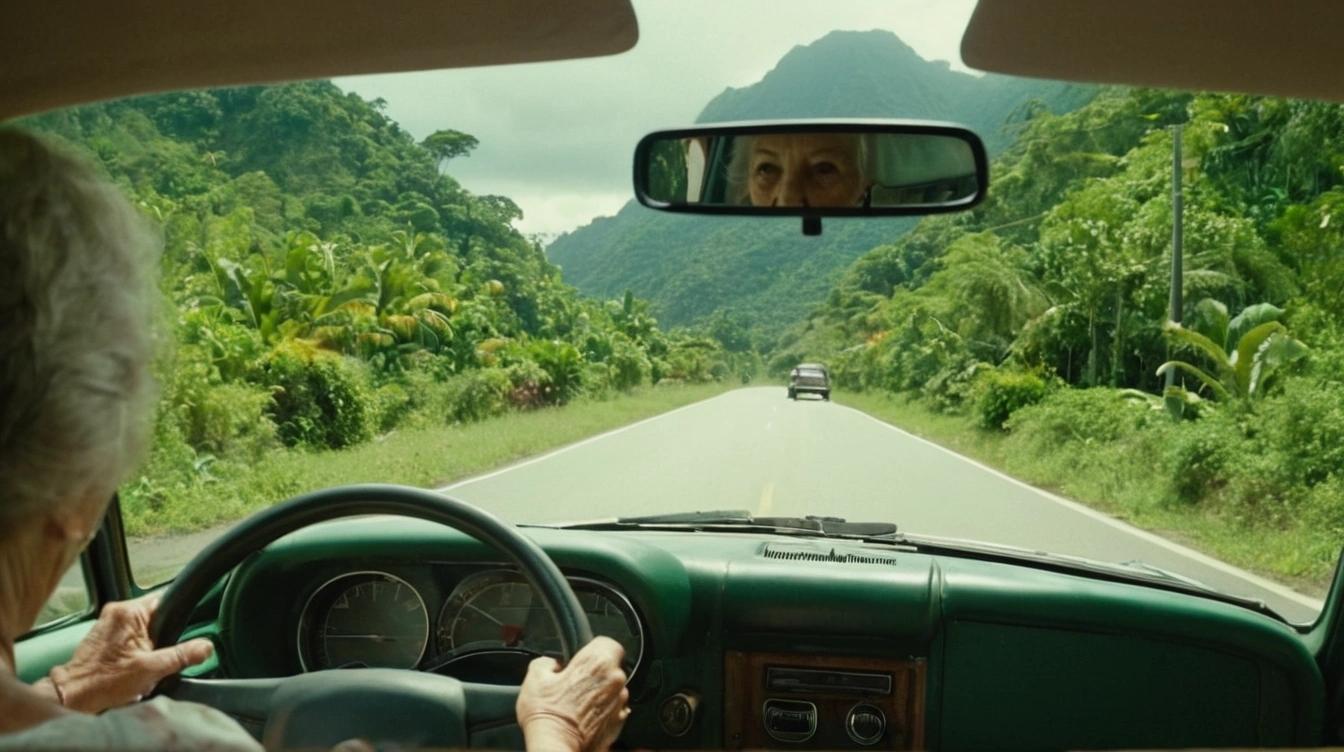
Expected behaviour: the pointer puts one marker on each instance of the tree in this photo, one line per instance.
(449, 144)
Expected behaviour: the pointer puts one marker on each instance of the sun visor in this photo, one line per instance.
(57, 53)
(1254, 46)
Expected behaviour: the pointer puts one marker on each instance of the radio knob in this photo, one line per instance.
(866, 724)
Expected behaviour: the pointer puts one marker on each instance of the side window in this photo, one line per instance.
(71, 597)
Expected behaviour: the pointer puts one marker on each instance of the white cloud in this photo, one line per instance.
(558, 137)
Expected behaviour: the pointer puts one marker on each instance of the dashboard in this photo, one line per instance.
(737, 641)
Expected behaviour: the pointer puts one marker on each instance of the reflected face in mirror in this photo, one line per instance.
(803, 169)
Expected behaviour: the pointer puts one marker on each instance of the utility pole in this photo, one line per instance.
(1177, 210)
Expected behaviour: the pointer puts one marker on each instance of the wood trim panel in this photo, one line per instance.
(745, 694)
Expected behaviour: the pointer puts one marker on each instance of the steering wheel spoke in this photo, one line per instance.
(247, 701)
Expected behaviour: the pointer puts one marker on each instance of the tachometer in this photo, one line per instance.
(499, 610)
(366, 618)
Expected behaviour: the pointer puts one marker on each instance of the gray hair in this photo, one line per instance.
(78, 296)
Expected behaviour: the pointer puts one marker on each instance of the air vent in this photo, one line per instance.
(833, 555)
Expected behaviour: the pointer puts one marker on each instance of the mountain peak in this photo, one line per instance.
(846, 74)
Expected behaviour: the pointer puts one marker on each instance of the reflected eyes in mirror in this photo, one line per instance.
(797, 170)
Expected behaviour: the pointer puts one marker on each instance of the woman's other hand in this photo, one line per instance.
(580, 707)
(116, 663)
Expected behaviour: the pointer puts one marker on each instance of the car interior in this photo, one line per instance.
(835, 637)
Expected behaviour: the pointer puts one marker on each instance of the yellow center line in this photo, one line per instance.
(767, 499)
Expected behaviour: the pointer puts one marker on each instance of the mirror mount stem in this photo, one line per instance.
(811, 226)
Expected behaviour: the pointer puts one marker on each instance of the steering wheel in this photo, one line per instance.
(322, 708)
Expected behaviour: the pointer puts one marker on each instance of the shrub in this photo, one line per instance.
(1303, 430)
(476, 395)
(391, 405)
(628, 366)
(998, 394)
(213, 416)
(1198, 456)
(228, 419)
(563, 364)
(1084, 416)
(320, 399)
(597, 380)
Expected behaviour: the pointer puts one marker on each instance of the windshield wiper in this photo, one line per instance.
(740, 520)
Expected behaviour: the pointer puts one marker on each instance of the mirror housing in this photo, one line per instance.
(813, 169)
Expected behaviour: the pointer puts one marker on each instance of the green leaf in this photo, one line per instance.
(1182, 337)
(1219, 391)
(1210, 319)
(1275, 352)
(1243, 360)
(1249, 318)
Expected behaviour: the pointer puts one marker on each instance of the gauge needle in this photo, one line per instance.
(485, 613)
(364, 637)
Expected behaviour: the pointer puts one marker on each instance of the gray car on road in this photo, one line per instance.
(809, 378)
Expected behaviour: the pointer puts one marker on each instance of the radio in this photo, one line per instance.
(792, 701)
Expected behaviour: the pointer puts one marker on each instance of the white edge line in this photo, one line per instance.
(575, 445)
(1208, 561)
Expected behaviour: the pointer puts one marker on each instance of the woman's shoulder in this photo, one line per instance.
(159, 724)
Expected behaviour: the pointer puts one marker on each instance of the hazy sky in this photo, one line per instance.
(558, 138)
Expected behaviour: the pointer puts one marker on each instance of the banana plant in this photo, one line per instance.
(1246, 352)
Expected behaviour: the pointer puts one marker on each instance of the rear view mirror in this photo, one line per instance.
(812, 169)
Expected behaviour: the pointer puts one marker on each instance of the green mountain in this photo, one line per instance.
(765, 273)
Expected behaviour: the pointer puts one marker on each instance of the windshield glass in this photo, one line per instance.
(441, 279)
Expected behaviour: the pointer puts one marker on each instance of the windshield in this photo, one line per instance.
(441, 279)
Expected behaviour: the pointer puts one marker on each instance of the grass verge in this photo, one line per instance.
(428, 457)
(1120, 479)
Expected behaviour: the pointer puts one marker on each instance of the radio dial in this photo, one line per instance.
(866, 724)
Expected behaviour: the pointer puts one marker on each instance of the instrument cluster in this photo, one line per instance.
(488, 628)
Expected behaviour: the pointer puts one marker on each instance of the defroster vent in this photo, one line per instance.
(833, 554)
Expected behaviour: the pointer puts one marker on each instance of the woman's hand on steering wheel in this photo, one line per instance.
(116, 663)
(580, 707)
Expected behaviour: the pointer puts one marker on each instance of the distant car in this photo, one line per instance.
(809, 377)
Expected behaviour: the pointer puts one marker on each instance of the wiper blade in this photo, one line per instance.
(740, 519)
(679, 518)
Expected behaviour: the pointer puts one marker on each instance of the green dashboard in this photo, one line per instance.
(752, 640)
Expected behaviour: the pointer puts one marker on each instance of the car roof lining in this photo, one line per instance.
(58, 53)
(1280, 49)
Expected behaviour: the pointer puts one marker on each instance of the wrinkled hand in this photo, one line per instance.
(116, 663)
(580, 707)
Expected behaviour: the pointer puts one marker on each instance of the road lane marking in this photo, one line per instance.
(575, 445)
(767, 499)
(1280, 590)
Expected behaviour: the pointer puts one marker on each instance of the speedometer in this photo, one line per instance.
(371, 619)
(500, 610)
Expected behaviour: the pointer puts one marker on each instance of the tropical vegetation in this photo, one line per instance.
(1041, 317)
(327, 281)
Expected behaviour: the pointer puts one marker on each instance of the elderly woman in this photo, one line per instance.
(77, 298)
(799, 169)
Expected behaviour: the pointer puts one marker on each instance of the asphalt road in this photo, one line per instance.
(754, 449)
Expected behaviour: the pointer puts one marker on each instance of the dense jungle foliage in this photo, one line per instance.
(1041, 313)
(762, 275)
(327, 281)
